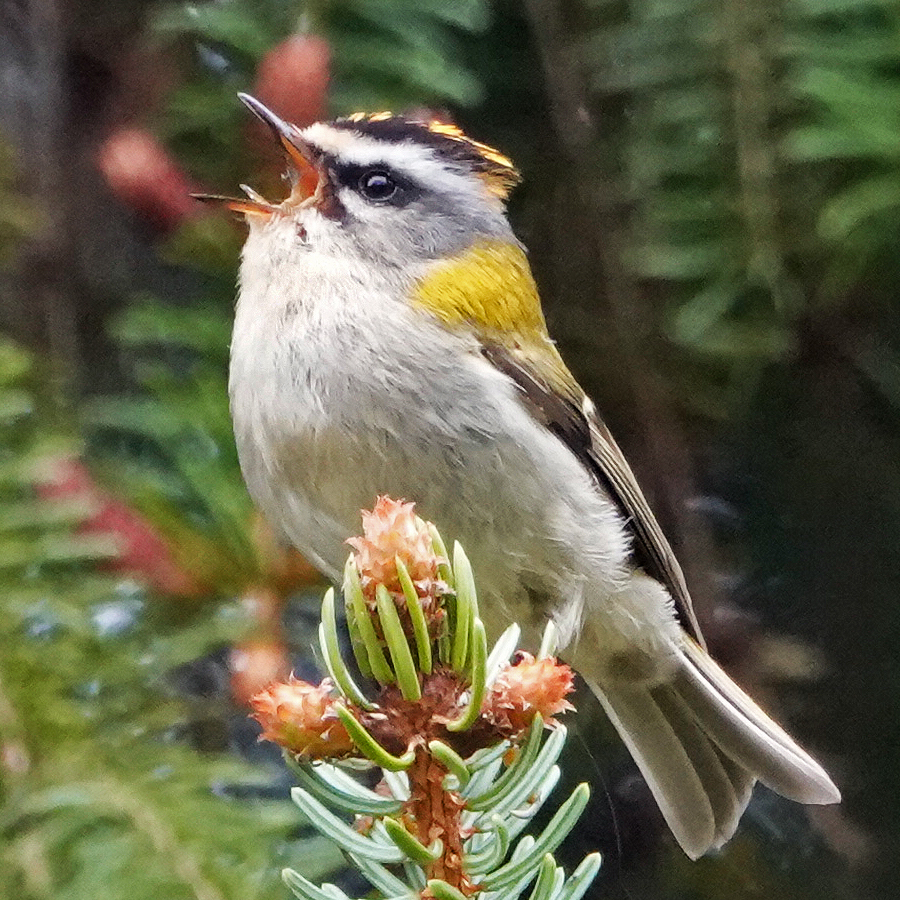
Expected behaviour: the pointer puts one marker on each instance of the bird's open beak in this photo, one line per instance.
(300, 154)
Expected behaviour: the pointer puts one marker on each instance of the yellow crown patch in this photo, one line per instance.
(497, 170)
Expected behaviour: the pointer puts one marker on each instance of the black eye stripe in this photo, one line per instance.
(366, 180)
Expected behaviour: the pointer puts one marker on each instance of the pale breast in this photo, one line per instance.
(341, 393)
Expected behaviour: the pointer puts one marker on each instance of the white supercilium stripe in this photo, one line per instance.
(418, 162)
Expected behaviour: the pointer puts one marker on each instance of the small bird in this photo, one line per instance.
(389, 339)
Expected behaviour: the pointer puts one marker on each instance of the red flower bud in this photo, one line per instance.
(527, 688)
(147, 179)
(391, 531)
(300, 717)
(292, 78)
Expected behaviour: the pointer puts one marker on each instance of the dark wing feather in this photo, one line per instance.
(655, 554)
(571, 416)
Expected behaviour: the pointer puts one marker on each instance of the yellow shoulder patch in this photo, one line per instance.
(489, 288)
(489, 291)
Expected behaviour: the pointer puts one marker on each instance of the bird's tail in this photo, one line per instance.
(701, 743)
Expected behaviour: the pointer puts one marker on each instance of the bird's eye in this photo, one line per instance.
(377, 185)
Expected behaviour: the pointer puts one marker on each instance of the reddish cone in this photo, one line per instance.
(147, 179)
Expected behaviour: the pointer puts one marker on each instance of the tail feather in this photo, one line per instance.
(707, 762)
(665, 763)
(701, 743)
(741, 780)
(746, 734)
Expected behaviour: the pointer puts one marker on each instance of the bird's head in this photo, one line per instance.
(384, 188)
(379, 197)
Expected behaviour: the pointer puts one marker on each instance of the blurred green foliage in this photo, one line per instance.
(98, 795)
(759, 159)
(168, 448)
(18, 217)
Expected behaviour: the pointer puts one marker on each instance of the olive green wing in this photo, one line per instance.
(563, 408)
